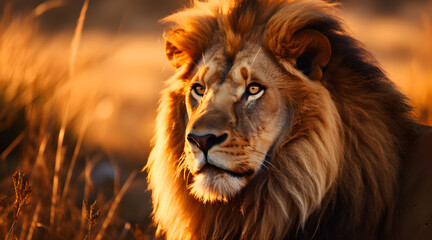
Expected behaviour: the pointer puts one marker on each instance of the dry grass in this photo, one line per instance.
(22, 193)
(38, 136)
(92, 217)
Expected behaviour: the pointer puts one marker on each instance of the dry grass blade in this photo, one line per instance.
(77, 37)
(126, 229)
(12, 146)
(116, 180)
(114, 205)
(92, 217)
(87, 185)
(24, 226)
(34, 221)
(22, 193)
(74, 158)
(58, 160)
(41, 151)
(45, 6)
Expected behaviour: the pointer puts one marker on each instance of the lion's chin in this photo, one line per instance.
(216, 186)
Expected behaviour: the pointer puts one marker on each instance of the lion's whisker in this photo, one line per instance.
(204, 62)
(258, 151)
(181, 165)
(256, 56)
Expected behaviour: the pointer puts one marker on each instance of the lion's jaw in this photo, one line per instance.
(249, 124)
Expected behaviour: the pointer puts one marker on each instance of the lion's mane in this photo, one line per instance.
(372, 119)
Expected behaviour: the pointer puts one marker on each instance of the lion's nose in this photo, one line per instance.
(207, 141)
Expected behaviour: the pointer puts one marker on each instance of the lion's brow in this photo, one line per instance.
(227, 68)
(222, 72)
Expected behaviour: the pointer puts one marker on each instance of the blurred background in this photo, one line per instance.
(77, 110)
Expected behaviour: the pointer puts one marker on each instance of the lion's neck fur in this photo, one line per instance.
(357, 141)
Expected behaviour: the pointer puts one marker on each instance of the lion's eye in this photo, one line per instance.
(198, 89)
(254, 89)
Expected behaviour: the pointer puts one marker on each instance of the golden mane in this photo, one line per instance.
(372, 120)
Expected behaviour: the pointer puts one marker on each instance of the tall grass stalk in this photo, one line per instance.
(24, 226)
(92, 217)
(126, 229)
(22, 193)
(87, 186)
(41, 151)
(12, 146)
(34, 221)
(58, 160)
(114, 205)
(46, 6)
(77, 38)
(74, 158)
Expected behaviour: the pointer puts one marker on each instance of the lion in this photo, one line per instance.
(279, 125)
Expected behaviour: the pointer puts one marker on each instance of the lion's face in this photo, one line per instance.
(235, 115)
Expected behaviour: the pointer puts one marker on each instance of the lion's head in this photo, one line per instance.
(240, 110)
(274, 120)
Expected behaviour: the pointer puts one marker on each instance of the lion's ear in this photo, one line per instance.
(312, 52)
(177, 47)
(175, 56)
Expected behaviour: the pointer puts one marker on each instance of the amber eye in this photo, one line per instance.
(198, 89)
(254, 89)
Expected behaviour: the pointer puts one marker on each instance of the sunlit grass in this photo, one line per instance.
(42, 134)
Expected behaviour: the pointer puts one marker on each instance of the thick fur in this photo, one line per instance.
(333, 173)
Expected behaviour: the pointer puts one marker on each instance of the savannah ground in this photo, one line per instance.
(77, 107)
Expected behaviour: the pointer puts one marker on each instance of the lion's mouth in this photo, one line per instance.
(213, 168)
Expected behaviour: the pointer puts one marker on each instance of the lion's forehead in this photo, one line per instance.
(230, 77)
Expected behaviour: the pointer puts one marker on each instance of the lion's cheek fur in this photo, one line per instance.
(311, 158)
